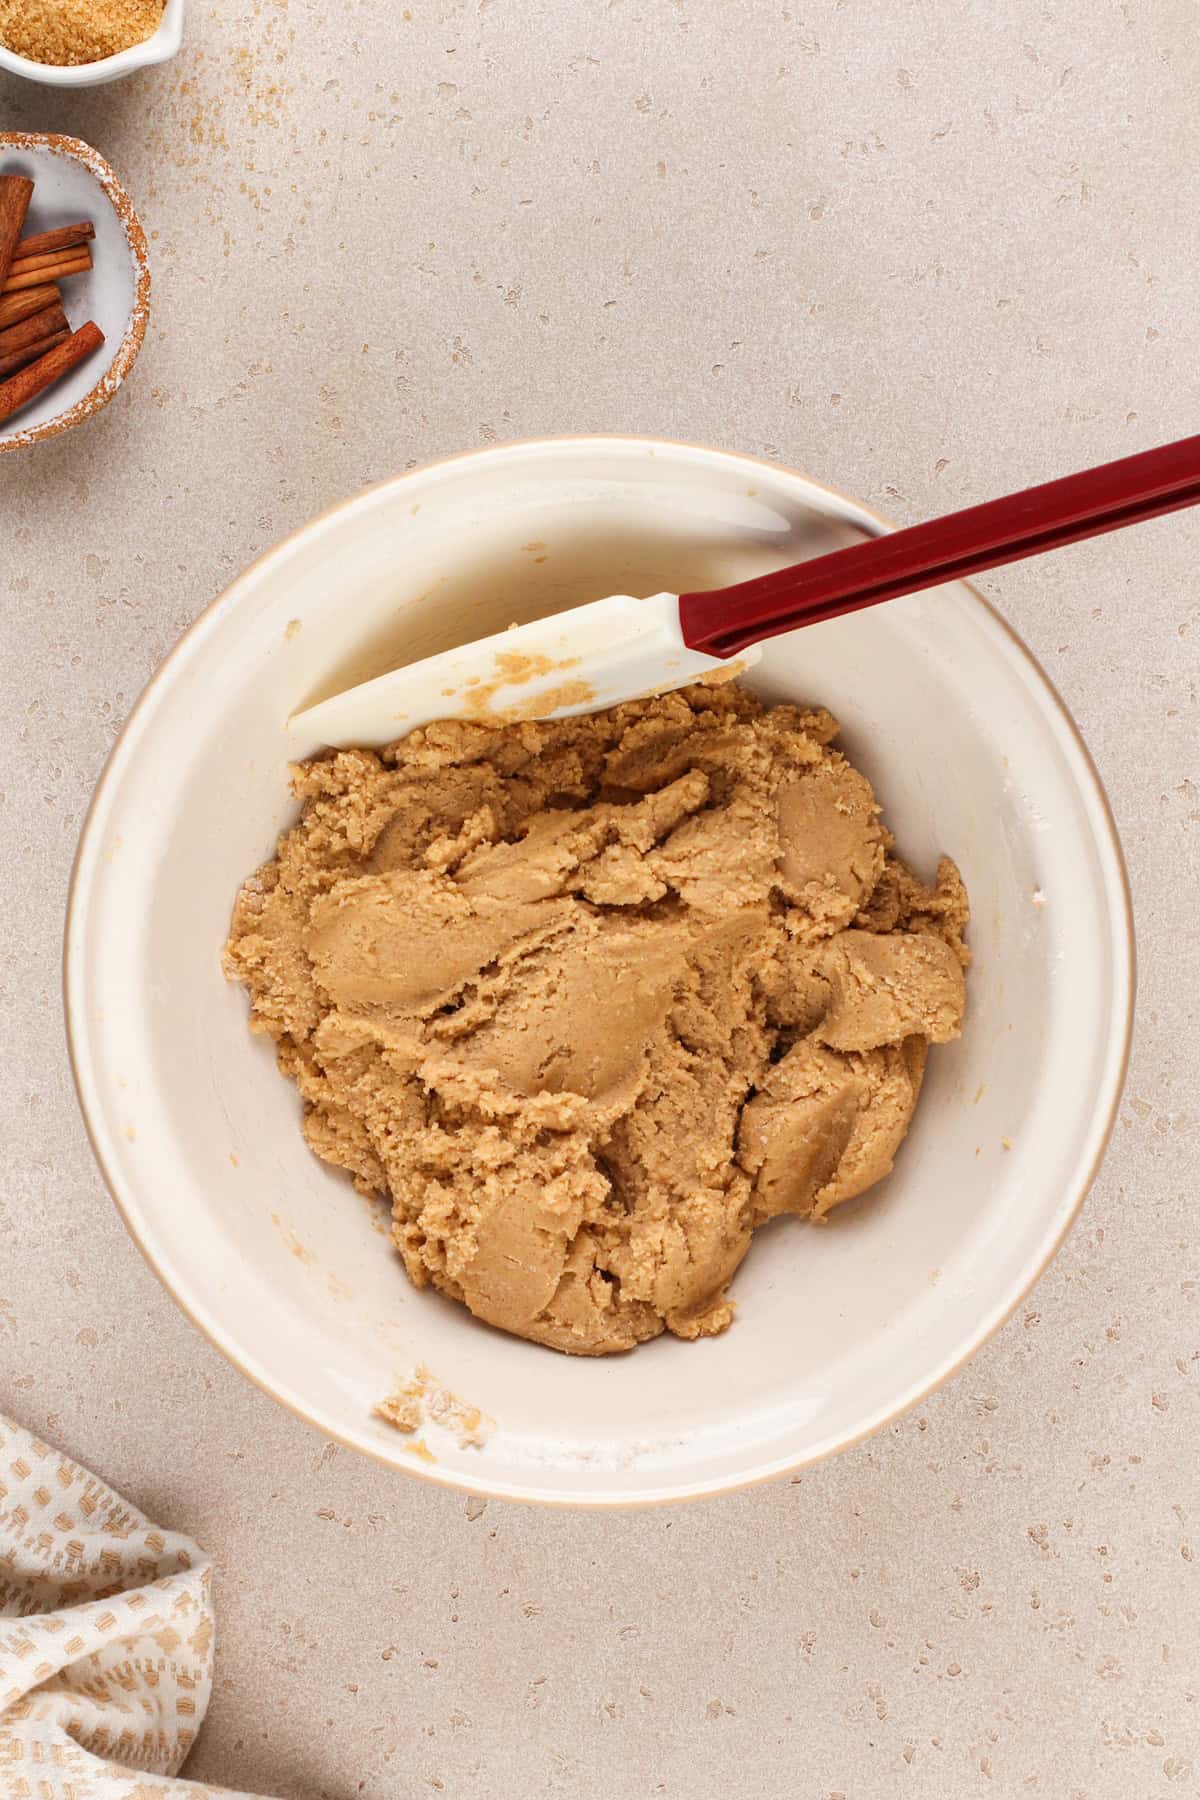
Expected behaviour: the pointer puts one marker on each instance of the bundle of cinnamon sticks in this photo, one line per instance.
(37, 345)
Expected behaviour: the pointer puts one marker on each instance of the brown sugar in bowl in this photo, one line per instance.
(71, 182)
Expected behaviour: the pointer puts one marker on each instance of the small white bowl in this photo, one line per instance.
(72, 182)
(275, 1257)
(159, 47)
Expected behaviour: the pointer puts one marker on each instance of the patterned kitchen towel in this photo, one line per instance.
(106, 1638)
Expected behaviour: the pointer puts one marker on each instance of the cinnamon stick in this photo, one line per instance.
(15, 191)
(22, 305)
(63, 238)
(47, 259)
(38, 325)
(66, 262)
(20, 389)
(19, 358)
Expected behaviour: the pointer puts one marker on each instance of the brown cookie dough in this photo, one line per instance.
(590, 1000)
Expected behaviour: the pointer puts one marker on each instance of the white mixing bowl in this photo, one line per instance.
(284, 1267)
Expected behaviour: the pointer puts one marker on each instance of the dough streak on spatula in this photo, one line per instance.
(573, 662)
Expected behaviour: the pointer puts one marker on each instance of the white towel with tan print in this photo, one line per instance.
(106, 1637)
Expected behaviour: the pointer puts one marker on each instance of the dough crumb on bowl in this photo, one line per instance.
(423, 1400)
(588, 1000)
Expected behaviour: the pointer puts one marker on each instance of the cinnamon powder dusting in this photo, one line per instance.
(62, 32)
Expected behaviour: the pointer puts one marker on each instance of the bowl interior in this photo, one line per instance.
(66, 189)
(837, 1328)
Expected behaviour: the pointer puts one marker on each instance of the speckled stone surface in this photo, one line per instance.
(928, 254)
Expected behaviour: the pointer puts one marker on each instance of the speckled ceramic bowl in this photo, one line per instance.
(71, 182)
(159, 47)
(839, 1329)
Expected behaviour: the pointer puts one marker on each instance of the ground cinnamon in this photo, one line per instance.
(76, 31)
(20, 389)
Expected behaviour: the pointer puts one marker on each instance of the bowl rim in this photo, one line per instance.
(106, 385)
(86, 855)
(162, 44)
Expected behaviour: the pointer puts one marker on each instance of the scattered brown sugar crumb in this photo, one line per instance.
(423, 1400)
(62, 32)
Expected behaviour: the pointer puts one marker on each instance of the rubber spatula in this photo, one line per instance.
(617, 649)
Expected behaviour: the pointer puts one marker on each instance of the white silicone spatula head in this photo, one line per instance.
(574, 662)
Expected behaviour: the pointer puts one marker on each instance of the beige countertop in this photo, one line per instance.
(927, 254)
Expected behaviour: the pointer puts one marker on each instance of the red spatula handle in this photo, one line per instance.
(730, 619)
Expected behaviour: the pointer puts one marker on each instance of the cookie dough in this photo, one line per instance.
(589, 1000)
(423, 1400)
